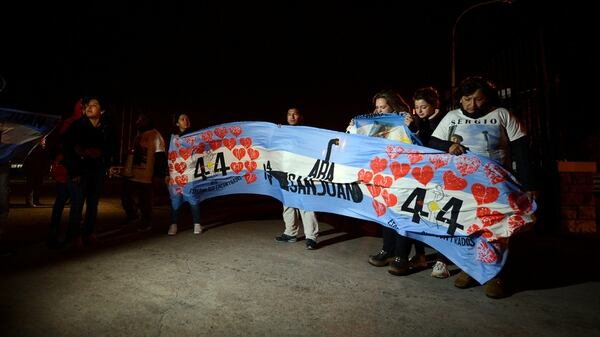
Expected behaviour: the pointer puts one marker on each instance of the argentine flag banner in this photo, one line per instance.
(466, 207)
(20, 129)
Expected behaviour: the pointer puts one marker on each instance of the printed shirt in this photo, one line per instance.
(488, 135)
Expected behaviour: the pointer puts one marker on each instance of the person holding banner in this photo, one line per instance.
(427, 109)
(90, 150)
(291, 214)
(396, 247)
(479, 126)
(182, 126)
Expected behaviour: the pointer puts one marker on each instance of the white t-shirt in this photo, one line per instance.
(488, 135)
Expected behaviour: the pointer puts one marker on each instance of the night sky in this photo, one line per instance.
(223, 62)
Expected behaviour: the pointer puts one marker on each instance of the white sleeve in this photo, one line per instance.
(514, 129)
(351, 127)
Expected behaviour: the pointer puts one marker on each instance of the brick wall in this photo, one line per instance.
(577, 201)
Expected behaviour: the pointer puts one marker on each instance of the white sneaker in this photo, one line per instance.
(172, 229)
(440, 270)
(197, 228)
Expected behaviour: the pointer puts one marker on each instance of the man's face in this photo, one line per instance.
(294, 117)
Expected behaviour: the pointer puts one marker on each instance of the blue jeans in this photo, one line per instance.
(195, 209)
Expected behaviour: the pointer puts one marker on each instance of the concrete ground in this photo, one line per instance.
(235, 280)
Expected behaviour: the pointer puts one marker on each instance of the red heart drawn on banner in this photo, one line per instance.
(515, 222)
(393, 151)
(489, 217)
(172, 155)
(423, 175)
(485, 253)
(365, 176)
(390, 199)
(253, 154)
(236, 166)
(229, 143)
(380, 208)
(250, 166)
(178, 190)
(415, 157)
(180, 167)
(472, 229)
(177, 142)
(235, 130)
(454, 183)
(374, 190)
(250, 178)
(383, 181)
(221, 132)
(246, 142)
(200, 148)
(181, 180)
(239, 153)
(495, 173)
(378, 164)
(190, 140)
(483, 194)
(185, 153)
(215, 144)
(399, 170)
(206, 136)
(519, 202)
(439, 160)
(467, 164)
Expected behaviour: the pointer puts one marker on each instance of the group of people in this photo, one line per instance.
(459, 131)
(87, 151)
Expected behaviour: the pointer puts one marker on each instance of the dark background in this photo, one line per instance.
(225, 61)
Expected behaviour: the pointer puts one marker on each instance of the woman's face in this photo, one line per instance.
(423, 109)
(93, 109)
(381, 106)
(183, 122)
(474, 102)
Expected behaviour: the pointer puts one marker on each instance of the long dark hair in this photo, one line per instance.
(393, 99)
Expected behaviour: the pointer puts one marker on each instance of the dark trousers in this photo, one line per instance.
(88, 190)
(136, 196)
(395, 243)
(62, 194)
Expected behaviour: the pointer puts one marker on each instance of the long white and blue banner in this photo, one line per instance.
(466, 207)
(19, 131)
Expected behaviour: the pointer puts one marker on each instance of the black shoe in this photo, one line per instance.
(285, 238)
(380, 259)
(311, 244)
(399, 266)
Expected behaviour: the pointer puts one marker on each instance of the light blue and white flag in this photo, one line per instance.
(465, 206)
(20, 130)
